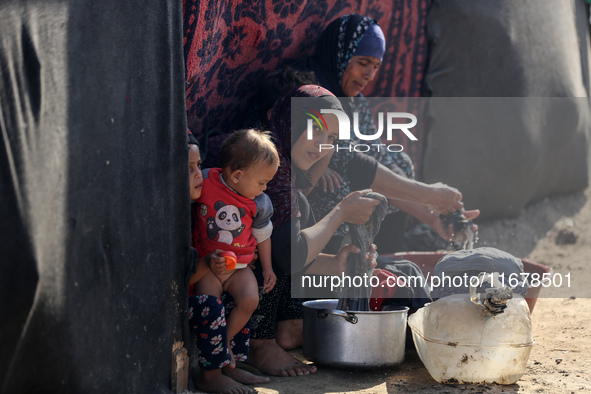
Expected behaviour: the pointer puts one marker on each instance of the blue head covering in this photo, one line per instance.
(373, 43)
(335, 47)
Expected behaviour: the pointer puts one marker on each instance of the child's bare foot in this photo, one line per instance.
(271, 359)
(244, 377)
(216, 382)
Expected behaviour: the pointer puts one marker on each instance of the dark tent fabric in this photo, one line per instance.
(231, 46)
(94, 213)
(509, 48)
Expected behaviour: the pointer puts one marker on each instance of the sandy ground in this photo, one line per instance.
(561, 357)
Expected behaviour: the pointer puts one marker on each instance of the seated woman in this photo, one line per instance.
(297, 239)
(348, 55)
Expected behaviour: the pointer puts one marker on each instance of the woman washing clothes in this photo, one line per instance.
(297, 238)
(348, 54)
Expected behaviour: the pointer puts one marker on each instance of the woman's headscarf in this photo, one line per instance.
(281, 189)
(336, 46)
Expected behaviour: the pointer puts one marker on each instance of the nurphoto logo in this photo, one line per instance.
(345, 130)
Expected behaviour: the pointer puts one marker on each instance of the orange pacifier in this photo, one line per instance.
(230, 259)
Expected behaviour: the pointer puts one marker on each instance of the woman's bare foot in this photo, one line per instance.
(216, 382)
(290, 333)
(244, 377)
(271, 359)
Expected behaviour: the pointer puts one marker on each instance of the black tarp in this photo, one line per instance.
(94, 215)
(509, 48)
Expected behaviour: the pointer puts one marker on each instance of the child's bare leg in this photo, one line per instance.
(214, 381)
(209, 284)
(242, 286)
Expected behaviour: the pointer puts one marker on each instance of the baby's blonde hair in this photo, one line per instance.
(246, 147)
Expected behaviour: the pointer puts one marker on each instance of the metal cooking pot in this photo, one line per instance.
(353, 339)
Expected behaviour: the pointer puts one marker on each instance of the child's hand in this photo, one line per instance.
(269, 279)
(216, 264)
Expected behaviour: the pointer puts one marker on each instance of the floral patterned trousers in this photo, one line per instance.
(207, 317)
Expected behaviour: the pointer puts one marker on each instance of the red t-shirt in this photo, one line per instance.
(224, 220)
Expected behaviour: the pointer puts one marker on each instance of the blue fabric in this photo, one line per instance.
(207, 317)
(373, 43)
(264, 211)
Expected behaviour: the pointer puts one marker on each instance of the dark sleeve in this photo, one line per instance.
(289, 247)
(192, 268)
(362, 171)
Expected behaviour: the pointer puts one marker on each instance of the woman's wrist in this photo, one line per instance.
(339, 213)
(430, 197)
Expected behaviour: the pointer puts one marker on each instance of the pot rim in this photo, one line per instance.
(308, 305)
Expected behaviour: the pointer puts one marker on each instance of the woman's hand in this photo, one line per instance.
(330, 180)
(341, 257)
(216, 264)
(356, 208)
(372, 256)
(448, 233)
(269, 280)
(444, 199)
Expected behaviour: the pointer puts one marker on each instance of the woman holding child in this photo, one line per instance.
(207, 314)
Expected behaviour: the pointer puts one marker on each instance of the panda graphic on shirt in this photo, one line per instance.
(226, 223)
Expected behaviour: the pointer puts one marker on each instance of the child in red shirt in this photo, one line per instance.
(207, 314)
(234, 214)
